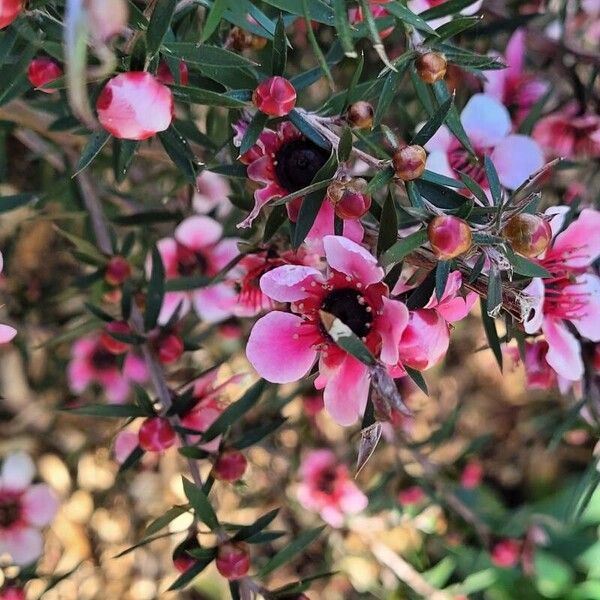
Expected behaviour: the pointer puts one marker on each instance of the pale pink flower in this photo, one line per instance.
(196, 249)
(328, 489)
(353, 291)
(7, 333)
(135, 106)
(569, 133)
(570, 295)
(488, 126)
(24, 509)
(539, 374)
(212, 193)
(517, 89)
(91, 362)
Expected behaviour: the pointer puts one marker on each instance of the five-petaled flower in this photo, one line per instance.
(24, 509)
(352, 291)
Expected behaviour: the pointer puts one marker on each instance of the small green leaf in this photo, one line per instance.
(108, 411)
(180, 152)
(159, 25)
(526, 267)
(213, 19)
(403, 247)
(319, 10)
(290, 551)
(345, 146)
(433, 124)
(308, 130)
(94, 145)
(261, 523)
(206, 55)
(195, 95)
(491, 333)
(190, 574)
(440, 195)
(451, 7)
(201, 505)
(123, 155)
(280, 45)
(440, 89)
(252, 133)
(493, 181)
(342, 28)
(494, 292)
(156, 291)
(162, 521)
(254, 436)
(418, 379)
(346, 339)
(388, 226)
(15, 201)
(474, 188)
(410, 18)
(380, 179)
(442, 272)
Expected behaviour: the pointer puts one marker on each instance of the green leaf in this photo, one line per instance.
(526, 267)
(147, 217)
(308, 130)
(403, 247)
(382, 178)
(277, 217)
(15, 201)
(108, 411)
(201, 505)
(553, 576)
(440, 89)
(159, 25)
(123, 155)
(440, 195)
(494, 292)
(442, 272)
(454, 27)
(349, 98)
(290, 551)
(252, 133)
(83, 246)
(234, 412)
(398, 9)
(213, 19)
(132, 459)
(177, 147)
(195, 95)
(94, 145)
(491, 333)
(445, 9)
(253, 436)
(374, 31)
(342, 28)
(346, 339)
(206, 55)
(190, 574)
(433, 124)
(261, 523)
(14, 74)
(388, 226)
(345, 146)
(418, 378)
(280, 45)
(493, 181)
(392, 80)
(474, 188)
(319, 11)
(156, 291)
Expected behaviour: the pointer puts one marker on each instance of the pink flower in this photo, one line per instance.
(539, 374)
(355, 15)
(569, 133)
(571, 294)
(419, 6)
(24, 509)
(275, 96)
(12, 593)
(7, 333)
(212, 192)
(488, 125)
(92, 362)
(197, 250)
(411, 495)
(353, 291)
(513, 86)
(472, 474)
(125, 443)
(135, 106)
(506, 553)
(9, 10)
(327, 488)
(43, 70)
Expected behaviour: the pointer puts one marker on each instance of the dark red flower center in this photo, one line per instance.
(462, 161)
(326, 481)
(190, 262)
(350, 307)
(297, 162)
(102, 360)
(10, 511)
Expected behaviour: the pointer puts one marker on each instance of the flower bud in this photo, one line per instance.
(164, 75)
(349, 198)
(360, 114)
(233, 560)
(529, 235)
(9, 10)
(506, 553)
(182, 561)
(275, 96)
(230, 466)
(156, 435)
(107, 18)
(117, 271)
(12, 593)
(431, 67)
(411, 496)
(113, 345)
(471, 476)
(409, 162)
(169, 348)
(43, 70)
(135, 106)
(449, 236)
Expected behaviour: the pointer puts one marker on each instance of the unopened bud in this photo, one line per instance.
(409, 162)
(233, 560)
(449, 236)
(529, 235)
(431, 67)
(360, 114)
(117, 270)
(349, 198)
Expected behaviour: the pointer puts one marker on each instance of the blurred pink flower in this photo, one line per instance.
(411, 495)
(91, 362)
(328, 489)
(488, 125)
(539, 374)
(212, 193)
(472, 475)
(352, 291)
(7, 333)
(24, 509)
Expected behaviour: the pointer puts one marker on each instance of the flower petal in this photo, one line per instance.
(171, 302)
(289, 283)
(7, 333)
(390, 326)
(564, 352)
(348, 257)
(277, 351)
(324, 225)
(425, 340)
(440, 141)
(485, 120)
(39, 505)
(346, 391)
(215, 302)
(517, 157)
(536, 290)
(588, 324)
(23, 544)
(17, 471)
(198, 232)
(578, 245)
(437, 162)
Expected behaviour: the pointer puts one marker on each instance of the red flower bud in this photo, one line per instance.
(449, 236)
(9, 10)
(233, 560)
(169, 348)
(156, 435)
(12, 593)
(360, 114)
(43, 70)
(506, 553)
(135, 106)
(529, 235)
(164, 75)
(182, 561)
(409, 162)
(411, 496)
(431, 67)
(230, 466)
(275, 96)
(117, 270)
(112, 344)
(471, 475)
(349, 198)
